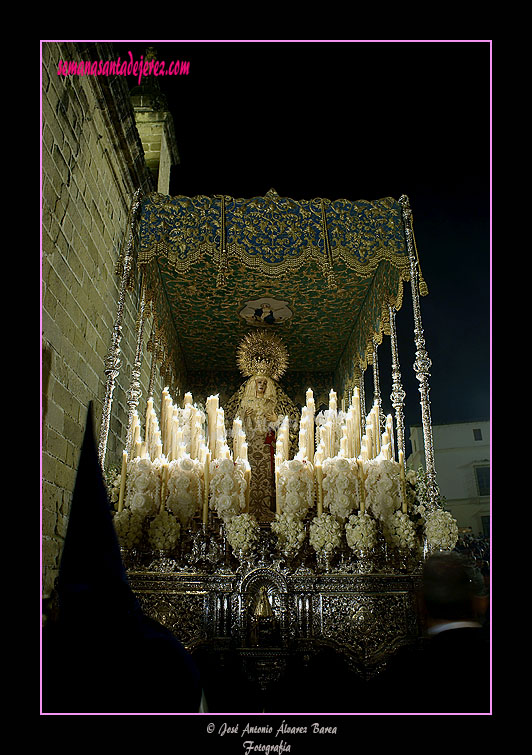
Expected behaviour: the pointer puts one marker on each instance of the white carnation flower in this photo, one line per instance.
(361, 532)
(325, 533)
(441, 530)
(163, 532)
(128, 527)
(401, 531)
(290, 531)
(242, 532)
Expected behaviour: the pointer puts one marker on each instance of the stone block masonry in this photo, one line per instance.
(92, 164)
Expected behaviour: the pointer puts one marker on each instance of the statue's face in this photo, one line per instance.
(260, 384)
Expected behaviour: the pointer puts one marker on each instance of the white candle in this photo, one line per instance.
(361, 487)
(179, 440)
(149, 419)
(376, 429)
(212, 409)
(247, 477)
(402, 481)
(202, 453)
(343, 447)
(319, 490)
(370, 443)
(136, 432)
(206, 479)
(164, 478)
(332, 401)
(122, 482)
(187, 399)
(303, 442)
(389, 430)
(309, 395)
(197, 438)
(174, 427)
(278, 459)
(237, 437)
(162, 423)
(355, 402)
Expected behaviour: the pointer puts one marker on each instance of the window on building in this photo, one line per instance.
(485, 525)
(477, 434)
(482, 475)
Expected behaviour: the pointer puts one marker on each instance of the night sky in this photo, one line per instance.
(360, 120)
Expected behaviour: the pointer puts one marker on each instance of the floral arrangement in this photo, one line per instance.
(290, 531)
(441, 530)
(361, 532)
(383, 495)
(242, 532)
(227, 489)
(129, 528)
(184, 488)
(340, 485)
(295, 487)
(143, 487)
(163, 532)
(112, 481)
(401, 531)
(325, 533)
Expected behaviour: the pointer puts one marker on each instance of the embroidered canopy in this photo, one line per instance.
(322, 273)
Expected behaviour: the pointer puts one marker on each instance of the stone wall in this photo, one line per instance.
(92, 164)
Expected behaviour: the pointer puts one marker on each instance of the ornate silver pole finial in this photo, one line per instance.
(112, 360)
(422, 362)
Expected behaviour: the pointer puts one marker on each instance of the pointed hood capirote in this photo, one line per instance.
(103, 655)
(92, 581)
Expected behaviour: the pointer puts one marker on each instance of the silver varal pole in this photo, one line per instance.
(422, 362)
(377, 390)
(398, 394)
(112, 360)
(134, 392)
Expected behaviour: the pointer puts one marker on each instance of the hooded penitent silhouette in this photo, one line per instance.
(102, 654)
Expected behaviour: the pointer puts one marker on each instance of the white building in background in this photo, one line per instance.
(462, 461)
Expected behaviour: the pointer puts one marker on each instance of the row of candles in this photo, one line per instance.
(167, 440)
(171, 441)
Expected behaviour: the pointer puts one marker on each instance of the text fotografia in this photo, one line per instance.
(250, 746)
(123, 68)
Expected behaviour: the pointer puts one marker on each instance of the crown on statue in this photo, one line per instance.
(262, 353)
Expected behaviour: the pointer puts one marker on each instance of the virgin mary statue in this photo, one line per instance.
(261, 404)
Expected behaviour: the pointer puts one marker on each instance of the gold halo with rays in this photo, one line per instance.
(262, 353)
